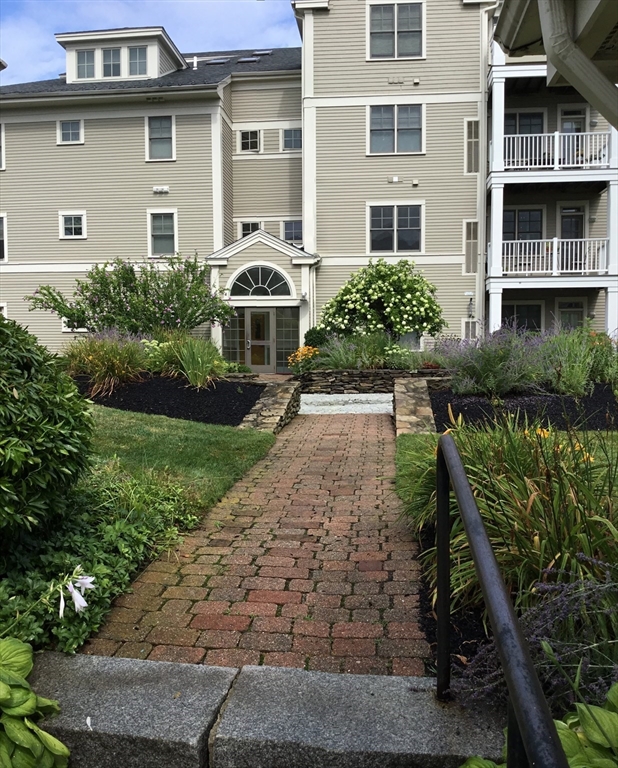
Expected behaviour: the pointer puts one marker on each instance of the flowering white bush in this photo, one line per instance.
(384, 297)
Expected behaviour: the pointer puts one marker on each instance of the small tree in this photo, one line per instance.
(143, 298)
(384, 297)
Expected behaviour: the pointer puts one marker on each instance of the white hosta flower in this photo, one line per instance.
(76, 585)
(78, 600)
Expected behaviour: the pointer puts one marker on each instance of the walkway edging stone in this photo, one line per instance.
(277, 406)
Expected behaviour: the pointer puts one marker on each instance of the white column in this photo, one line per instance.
(613, 147)
(497, 124)
(612, 228)
(309, 160)
(495, 308)
(217, 181)
(611, 311)
(495, 230)
(304, 319)
(216, 331)
(497, 55)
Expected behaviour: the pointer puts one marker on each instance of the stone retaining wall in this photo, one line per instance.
(351, 381)
(412, 411)
(277, 406)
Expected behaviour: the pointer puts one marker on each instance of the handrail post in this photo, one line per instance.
(443, 597)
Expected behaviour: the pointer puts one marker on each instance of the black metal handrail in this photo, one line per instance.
(532, 737)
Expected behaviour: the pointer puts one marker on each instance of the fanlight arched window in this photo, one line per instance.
(260, 281)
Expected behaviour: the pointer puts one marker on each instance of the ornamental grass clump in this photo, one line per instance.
(199, 361)
(392, 298)
(365, 351)
(548, 499)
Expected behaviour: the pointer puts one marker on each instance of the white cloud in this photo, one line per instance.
(28, 46)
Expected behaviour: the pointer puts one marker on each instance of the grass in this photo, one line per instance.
(204, 458)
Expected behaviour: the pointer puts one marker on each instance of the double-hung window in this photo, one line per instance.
(395, 30)
(292, 138)
(249, 141)
(85, 64)
(396, 129)
(247, 227)
(72, 225)
(293, 231)
(70, 132)
(138, 61)
(395, 228)
(163, 233)
(522, 224)
(160, 138)
(111, 62)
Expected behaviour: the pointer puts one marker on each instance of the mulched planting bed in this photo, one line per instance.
(597, 411)
(224, 403)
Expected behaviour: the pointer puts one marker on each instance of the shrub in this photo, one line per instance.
(568, 362)
(108, 359)
(393, 298)
(200, 361)
(171, 294)
(365, 352)
(544, 497)
(304, 359)
(316, 337)
(45, 431)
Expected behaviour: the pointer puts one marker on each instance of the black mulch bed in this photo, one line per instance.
(597, 411)
(225, 403)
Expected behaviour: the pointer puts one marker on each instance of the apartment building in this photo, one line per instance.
(289, 169)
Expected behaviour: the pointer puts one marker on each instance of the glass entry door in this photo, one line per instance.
(260, 340)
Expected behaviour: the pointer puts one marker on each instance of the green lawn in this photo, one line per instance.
(203, 458)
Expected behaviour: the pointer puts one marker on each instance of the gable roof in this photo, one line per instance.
(297, 255)
(206, 76)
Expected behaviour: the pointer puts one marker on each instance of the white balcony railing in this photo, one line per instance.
(556, 150)
(554, 257)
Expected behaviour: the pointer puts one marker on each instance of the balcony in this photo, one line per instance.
(554, 257)
(555, 151)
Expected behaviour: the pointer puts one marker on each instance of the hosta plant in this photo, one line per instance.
(22, 743)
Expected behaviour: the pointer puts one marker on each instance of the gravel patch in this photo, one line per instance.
(328, 404)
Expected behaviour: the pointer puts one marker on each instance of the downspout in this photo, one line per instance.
(573, 64)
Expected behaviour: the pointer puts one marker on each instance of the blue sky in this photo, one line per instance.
(27, 27)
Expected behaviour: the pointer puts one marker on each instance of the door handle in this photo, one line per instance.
(248, 343)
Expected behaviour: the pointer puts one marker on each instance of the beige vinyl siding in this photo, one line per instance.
(265, 187)
(226, 100)
(227, 142)
(273, 227)
(551, 101)
(598, 211)
(165, 63)
(279, 103)
(451, 287)
(595, 302)
(347, 179)
(271, 141)
(260, 253)
(453, 61)
(108, 177)
(550, 203)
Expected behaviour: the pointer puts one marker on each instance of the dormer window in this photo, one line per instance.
(138, 61)
(111, 62)
(85, 64)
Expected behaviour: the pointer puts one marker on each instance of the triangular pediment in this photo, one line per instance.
(260, 237)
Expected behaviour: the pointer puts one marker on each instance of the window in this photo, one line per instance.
(523, 122)
(395, 31)
(160, 132)
(292, 138)
(70, 132)
(472, 146)
(570, 313)
(395, 129)
(111, 62)
(3, 248)
(249, 141)
(3, 309)
(522, 224)
(72, 225)
(471, 246)
(2, 158)
(247, 227)
(85, 64)
(293, 231)
(523, 315)
(163, 235)
(395, 228)
(138, 61)
(65, 328)
(260, 281)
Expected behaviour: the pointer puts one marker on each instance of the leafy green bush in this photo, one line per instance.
(545, 498)
(45, 432)
(568, 362)
(142, 298)
(365, 351)
(22, 743)
(116, 522)
(200, 361)
(393, 298)
(316, 337)
(108, 359)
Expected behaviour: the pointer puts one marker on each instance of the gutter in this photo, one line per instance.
(573, 64)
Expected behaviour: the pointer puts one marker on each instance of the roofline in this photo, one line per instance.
(57, 95)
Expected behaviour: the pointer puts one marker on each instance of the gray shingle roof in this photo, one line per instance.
(280, 60)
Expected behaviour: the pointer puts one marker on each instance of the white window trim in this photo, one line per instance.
(583, 299)
(65, 329)
(423, 149)
(62, 236)
(466, 172)
(149, 212)
(528, 302)
(572, 204)
(246, 300)
(120, 63)
(240, 222)
(566, 107)
(282, 131)
(530, 207)
(369, 3)
(4, 217)
(59, 141)
(465, 321)
(97, 64)
(2, 148)
(282, 231)
(378, 254)
(4, 310)
(522, 110)
(258, 151)
(125, 54)
(149, 159)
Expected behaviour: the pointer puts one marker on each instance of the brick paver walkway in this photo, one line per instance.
(302, 564)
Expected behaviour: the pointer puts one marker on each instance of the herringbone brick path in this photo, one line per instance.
(302, 564)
